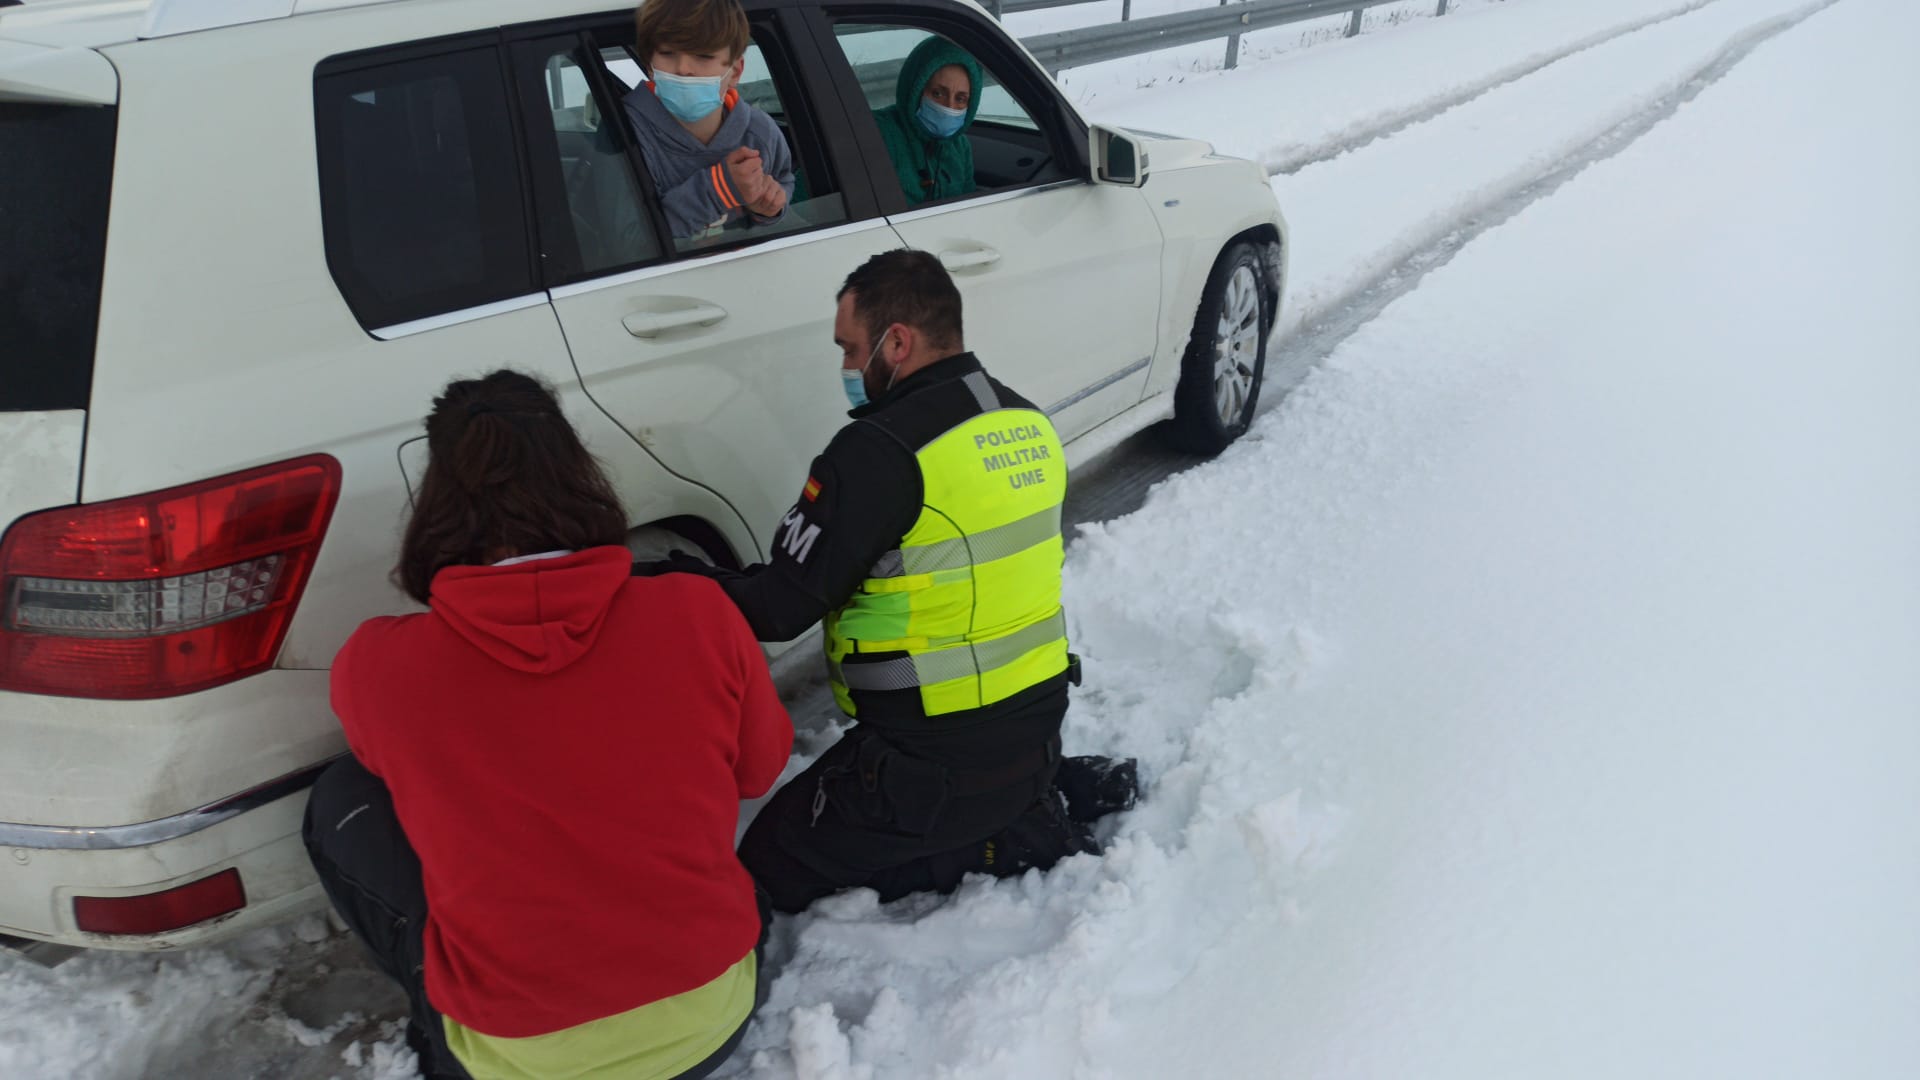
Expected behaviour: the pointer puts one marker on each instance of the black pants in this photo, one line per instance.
(372, 875)
(867, 814)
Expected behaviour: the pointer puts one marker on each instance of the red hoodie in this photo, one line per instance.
(567, 748)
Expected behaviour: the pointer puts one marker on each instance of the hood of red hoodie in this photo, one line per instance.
(536, 616)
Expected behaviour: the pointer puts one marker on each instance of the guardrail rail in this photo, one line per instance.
(1130, 37)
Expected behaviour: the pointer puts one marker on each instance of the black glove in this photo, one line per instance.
(679, 562)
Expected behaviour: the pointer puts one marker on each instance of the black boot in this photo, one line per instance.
(1098, 786)
(1040, 837)
(436, 1062)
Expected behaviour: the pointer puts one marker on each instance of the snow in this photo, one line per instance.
(1531, 693)
(1325, 97)
(1371, 210)
(1561, 722)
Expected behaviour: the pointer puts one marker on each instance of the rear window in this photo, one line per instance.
(56, 169)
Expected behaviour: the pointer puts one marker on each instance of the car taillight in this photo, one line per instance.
(164, 593)
(156, 913)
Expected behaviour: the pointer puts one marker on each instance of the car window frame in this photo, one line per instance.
(330, 185)
(812, 97)
(542, 165)
(1012, 68)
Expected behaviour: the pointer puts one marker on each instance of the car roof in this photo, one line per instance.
(95, 24)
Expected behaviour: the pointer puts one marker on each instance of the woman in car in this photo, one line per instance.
(534, 833)
(925, 128)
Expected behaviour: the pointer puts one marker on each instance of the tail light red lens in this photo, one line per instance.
(164, 593)
(156, 913)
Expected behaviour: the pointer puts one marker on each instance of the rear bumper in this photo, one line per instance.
(259, 839)
(146, 833)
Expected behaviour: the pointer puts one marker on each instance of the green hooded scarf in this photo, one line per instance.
(929, 168)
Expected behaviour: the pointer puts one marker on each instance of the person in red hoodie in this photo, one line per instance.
(534, 834)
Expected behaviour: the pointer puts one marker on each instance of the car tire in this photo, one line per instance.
(1226, 357)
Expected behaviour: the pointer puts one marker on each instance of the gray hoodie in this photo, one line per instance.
(694, 187)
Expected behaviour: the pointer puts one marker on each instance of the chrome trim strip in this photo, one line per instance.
(581, 288)
(159, 830)
(969, 204)
(455, 318)
(1075, 399)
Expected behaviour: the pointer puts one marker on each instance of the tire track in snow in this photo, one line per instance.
(1288, 164)
(1118, 483)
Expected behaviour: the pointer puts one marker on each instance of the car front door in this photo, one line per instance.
(1060, 276)
(715, 352)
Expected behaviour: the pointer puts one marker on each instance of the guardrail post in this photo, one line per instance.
(993, 6)
(1442, 9)
(1126, 10)
(1233, 47)
(1353, 24)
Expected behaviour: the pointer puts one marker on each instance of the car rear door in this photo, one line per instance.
(716, 353)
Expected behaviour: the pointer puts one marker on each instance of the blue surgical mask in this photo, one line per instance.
(938, 120)
(854, 383)
(687, 97)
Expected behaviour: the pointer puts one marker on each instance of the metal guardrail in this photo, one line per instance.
(1129, 37)
(1014, 7)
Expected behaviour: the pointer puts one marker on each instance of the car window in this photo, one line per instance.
(56, 169)
(606, 218)
(767, 85)
(998, 144)
(421, 201)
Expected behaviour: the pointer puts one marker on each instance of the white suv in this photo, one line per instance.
(244, 242)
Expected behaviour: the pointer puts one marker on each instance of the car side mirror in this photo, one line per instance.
(1118, 158)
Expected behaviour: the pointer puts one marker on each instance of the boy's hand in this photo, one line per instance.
(771, 201)
(745, 174)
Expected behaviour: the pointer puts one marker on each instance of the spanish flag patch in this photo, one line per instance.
(812, 490)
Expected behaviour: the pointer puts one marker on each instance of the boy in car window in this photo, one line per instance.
(714, 158)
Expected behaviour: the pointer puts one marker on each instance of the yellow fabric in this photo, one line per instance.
(993, 471)
(659, 1039)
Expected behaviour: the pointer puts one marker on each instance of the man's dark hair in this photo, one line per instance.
(910, 287)
(505, 473)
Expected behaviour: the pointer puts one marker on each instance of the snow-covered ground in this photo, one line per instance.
(1532, 693)
(1324, 91)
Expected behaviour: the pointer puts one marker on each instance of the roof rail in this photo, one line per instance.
(168, 17)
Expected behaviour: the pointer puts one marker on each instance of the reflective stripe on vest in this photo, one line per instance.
(984, 546)
(972, 595)
(958, 662)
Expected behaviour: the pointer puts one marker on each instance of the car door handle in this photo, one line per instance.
(654, 323)
(969, 260)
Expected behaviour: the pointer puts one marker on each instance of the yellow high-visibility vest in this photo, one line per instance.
(972, 594)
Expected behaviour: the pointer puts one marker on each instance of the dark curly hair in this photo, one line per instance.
(506, 475)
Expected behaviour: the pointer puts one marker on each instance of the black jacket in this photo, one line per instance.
(861, 496)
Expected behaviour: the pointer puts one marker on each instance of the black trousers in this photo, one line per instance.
(868, 814)
(372, 876)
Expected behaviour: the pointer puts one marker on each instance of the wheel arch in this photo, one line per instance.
(1268, 238)
(646, 539)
